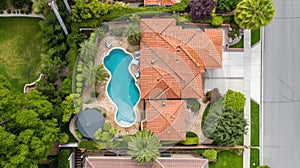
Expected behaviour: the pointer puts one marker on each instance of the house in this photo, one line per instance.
(126, 162)
(173, 61)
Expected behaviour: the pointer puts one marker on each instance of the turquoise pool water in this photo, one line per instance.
(121, 88)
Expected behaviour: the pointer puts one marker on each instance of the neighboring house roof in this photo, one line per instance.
(166, 118)
(89, 121)
(173, 60)
(126, 162)
(160, 2)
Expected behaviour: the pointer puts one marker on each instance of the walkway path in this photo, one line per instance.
(195, 120)
(5, 14)
(247, 93)
(72, 127)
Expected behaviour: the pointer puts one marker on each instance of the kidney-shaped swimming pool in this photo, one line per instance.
(122, 88)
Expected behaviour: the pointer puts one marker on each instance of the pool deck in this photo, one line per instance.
(103, 102)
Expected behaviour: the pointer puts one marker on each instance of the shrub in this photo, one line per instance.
(210, 154)
(3, 4)
(216, 21)
(79, 77)
(1, 11)
(78, 134)
(118, 31)
(27, 12)
(78, 90)
(63, 138)
(212, 95)
(198, 151)
(79, 84)
(88, 145)
(63, 156)
(9, 11)
(104, 115)
(94, 94)
(106, 126)
(22, 11)
(234, 100)
(105, 28)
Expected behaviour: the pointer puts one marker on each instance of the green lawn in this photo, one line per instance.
(254, 124)
(255, 37)
(228, 159)
(254, 158)
(20, 50)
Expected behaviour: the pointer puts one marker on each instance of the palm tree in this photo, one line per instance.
(101, 74)
(251, 14)
(133, 33)
(144, 147)
(94, 73)
(134, 18)
(87, 51)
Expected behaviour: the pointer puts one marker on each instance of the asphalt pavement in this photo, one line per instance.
(280, 129)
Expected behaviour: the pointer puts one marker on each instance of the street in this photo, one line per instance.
(280, 134)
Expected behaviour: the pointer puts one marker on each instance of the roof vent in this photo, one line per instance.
(152, 62)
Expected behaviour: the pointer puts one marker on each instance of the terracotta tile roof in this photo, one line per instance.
(177, 56)
(126, 162)
(166, 118)
(160, 2)
(215, 35)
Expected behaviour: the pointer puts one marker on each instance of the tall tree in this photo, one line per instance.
(40, 5)
(144, 147)
(201, 10)
(252, 14)
(225, 128)
(71, 105)
(27, 128)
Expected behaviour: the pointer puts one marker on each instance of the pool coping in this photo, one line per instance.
(135, 109)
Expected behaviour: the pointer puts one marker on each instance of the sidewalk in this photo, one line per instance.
(5, 14)
(247, 93)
